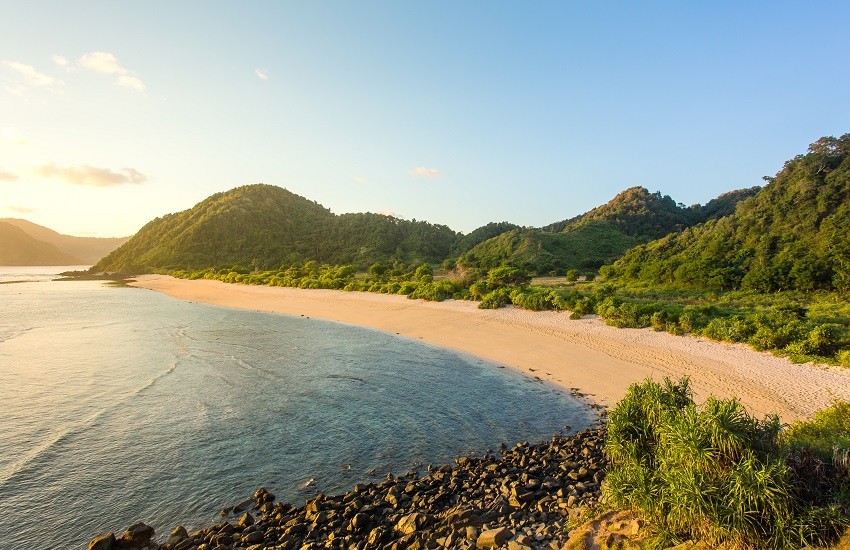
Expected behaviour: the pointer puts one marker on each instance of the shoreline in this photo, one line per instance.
(584, 357)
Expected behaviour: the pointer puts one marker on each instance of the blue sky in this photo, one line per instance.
(460, 113)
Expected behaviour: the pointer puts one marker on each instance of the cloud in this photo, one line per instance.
(13, 136)
(92, 175)
(360, 180)
(60, 60)
(389, 213)
(424, 172)
(262, 74)
(107, 63)
(29, 77)
(133, 82)
(8, 176)
(21, 209)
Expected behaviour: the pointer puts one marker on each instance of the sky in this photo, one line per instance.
(455, 112)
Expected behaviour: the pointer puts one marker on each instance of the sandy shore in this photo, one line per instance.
(585, 355)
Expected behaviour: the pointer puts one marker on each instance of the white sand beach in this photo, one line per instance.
(579, 355)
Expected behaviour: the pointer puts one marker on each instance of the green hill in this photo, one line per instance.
(792, 235)
(263, 226)
(88, 249)
(478, 236)
(18, 248)
(598, 237)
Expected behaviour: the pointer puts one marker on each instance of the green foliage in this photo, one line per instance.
(572, 275)
(791, 235)
(478, 236)
(496, 299)
(827, 431)
(263, 226)
(715, 473)
(540, 252)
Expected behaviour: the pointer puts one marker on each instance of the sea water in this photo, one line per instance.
(120, 405)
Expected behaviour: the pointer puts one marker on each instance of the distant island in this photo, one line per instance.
(25, 243)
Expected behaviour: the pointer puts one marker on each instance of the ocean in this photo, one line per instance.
(122, 405)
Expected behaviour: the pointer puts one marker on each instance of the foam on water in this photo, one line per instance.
(123, 405)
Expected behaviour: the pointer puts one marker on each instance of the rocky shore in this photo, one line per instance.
(519, 500)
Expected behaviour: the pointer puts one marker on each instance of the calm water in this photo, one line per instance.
(122, 404)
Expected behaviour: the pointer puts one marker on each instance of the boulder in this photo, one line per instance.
(177, 535)
(411, 523)
(105, 541)
(137, 536)
(494, 538)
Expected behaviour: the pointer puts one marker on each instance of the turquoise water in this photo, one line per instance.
(121, 404)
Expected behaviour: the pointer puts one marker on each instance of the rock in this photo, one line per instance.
(411, 523)
(137, 536)
(514, 545)
(359, 522)
(178, 534)
(494, 538)
(246, 520)
(105, 541)
(253, 537)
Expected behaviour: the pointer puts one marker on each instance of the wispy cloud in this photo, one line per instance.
(8, 176)
(26, 77)
(92, 175)
(360, 180)
(425, 172)
(262, 74)
(13, 136)
(107, 63)
(21, 209)
(389, 213)
(60, 60)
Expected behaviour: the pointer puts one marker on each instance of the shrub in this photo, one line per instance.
(496, 299)
(712, 473)
(535, 300)
(730, 329)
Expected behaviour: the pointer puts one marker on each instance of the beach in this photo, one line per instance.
(582, 356)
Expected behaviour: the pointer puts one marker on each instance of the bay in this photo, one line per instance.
(124, 405)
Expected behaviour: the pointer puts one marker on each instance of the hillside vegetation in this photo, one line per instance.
(598, 237)
(791, 235)
(18, 248)
(263, 227)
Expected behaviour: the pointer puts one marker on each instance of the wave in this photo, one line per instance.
(33, 455)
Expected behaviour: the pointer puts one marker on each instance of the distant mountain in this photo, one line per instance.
(599, 236)
(263, 226)
(88, 250)
(794, 234)
(18, 248)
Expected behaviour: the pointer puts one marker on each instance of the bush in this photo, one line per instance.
(496, 299)
(712, 473)
(729, 329)
(535, 300)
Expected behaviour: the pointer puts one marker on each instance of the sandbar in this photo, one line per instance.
(583, 355)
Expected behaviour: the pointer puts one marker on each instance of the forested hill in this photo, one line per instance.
(263, 227)
(598, 237)
(18, 248)
(794, 234)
